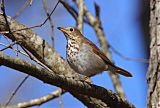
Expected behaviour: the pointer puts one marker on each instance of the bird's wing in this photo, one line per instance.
(97, 51)
(112, 67)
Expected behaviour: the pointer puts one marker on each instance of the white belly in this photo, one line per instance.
(86, 62)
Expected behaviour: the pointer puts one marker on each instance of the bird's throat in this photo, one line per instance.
(72, 48)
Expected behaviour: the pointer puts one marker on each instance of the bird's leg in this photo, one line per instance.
(87, 79)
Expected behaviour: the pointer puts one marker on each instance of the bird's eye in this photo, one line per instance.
(71, 29)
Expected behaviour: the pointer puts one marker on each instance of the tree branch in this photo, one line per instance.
(50, 21)
(41, 50)
(67, 83)
(16, 90)
(62, 76)
(80, 4)
(95, 22)
(38, 101)
(24, 6)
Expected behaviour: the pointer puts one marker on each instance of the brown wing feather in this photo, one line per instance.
(111, 66)
(97, 51)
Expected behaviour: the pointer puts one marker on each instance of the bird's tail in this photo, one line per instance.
(119, 70)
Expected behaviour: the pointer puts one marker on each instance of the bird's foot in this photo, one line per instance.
(87, 79)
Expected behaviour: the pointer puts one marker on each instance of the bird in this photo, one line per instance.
(85, 57)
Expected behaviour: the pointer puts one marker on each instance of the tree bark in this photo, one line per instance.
(153, 76)
(61, 74)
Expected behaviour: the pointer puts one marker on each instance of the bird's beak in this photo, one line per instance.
(62, 29)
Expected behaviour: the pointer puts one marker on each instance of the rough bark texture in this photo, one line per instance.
(61, 75)
(42, 51)
(79, 89)
(153, 76)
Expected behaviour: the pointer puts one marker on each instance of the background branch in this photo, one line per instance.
(50, 21)
(80, 4)
(24, 6)
(128, 58)
(38, 101)
(16, 90)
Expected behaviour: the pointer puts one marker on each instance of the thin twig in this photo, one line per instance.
(39, 25)
(27, 54)
(9, 42)
(9, 46)
(14, 93)
(18, 51)
(36, 60)
(11, 33)
(70, 9)
(22, 82)
(24, 6)
(50, 20)
(38, 101)
(5, 17)
(16, 90)
(128, 58)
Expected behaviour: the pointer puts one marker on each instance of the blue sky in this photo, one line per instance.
(120, 19)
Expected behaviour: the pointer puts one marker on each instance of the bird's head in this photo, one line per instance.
(70, 32)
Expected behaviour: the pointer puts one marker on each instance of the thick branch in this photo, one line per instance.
(40, 49)
(69, 84)
(62, 76)
(37, 46)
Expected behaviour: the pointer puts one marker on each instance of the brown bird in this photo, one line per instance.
(85, 57)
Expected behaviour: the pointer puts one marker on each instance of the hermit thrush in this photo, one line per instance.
(85, 57)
